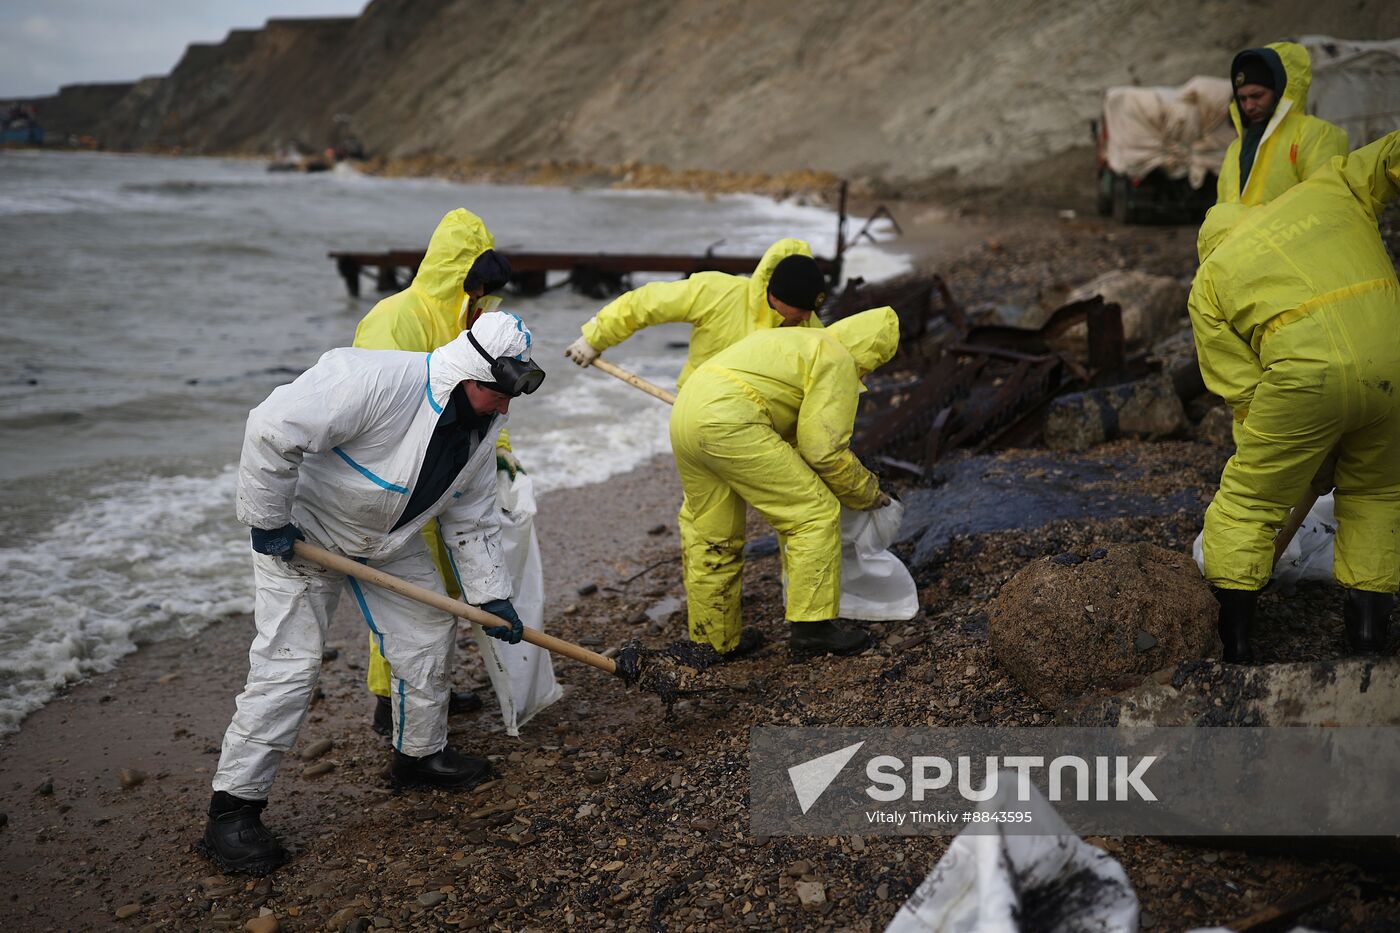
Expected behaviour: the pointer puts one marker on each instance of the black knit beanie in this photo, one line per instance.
(798, 281)
(1258, 66)
(490, 272)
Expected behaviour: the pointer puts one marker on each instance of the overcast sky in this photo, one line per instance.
(48, 43)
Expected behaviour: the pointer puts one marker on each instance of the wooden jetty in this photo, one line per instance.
(597, 275)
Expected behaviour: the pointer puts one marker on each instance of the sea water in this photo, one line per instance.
(149, 302)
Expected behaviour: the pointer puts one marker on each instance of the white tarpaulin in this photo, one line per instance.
(1183, 131)
(521, 675)
(1356, 85)
(875, 584)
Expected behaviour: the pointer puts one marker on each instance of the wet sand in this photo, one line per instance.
(77, 853)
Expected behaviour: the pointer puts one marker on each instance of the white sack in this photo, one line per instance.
(522, 675)
(875, 585)
(1307, 557)
(986, 878)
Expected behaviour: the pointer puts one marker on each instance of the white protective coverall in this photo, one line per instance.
(334, 453)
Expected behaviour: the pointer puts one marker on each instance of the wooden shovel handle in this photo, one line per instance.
(1295, 521)
(359, 571)
(650, 388)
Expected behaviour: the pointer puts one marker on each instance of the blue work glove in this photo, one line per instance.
(278, 542)
(503, 608)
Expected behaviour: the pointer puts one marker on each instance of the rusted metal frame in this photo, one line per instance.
(970, 424)
(934, 448)
(1031, 383)
(938, 391)
(952, 308)
(835, 275)
(1107, 346)
(1028, 412)
(880, 211)
(1012, 356)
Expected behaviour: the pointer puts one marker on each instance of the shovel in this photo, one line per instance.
(626, 668)
(650, 388)
(1295, 521)
(1322, 484)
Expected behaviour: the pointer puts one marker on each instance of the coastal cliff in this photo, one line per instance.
(912, 94)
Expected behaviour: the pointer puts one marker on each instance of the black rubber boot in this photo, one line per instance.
(809, 639)
(235, 838)
(750, 640)
(1367, 616)
(383, 717)
(463, 701)
(702, 655)
(1236, 623)
(447, 768)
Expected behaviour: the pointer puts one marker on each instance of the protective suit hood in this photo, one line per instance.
(500, 333)
(1220, 220)
(460, 237)
(760, 315)
(871, 337)
(1292, 59)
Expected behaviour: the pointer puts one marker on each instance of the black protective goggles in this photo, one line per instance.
(510, 376)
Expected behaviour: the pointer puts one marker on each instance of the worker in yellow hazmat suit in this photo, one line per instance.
(1294, 311)
(785, 290)
(450, 290)
(1279, 144)
(768, 422)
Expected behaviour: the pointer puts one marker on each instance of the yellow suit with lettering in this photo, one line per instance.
(431, 312)
(721, 309)
(1294, 145)
(1295, 310)
(768, 422)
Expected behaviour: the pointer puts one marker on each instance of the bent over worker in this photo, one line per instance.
(357, 455)
(453, 285)
(785, 290)
(768, 422)
(1294, 311)
(1278, 144)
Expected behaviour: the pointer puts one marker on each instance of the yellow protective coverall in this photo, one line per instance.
(431, 312)
(1294, 145)
(721, 309)
(1295, 310)
(768, 422)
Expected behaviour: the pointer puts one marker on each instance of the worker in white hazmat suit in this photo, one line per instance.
(357, 455)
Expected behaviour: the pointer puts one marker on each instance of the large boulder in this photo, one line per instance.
(1147, 408)
(1067, 624)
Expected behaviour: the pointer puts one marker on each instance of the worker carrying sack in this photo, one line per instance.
(521, 675)
(875, 585)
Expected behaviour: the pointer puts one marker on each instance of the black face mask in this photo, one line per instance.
(512, 377)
